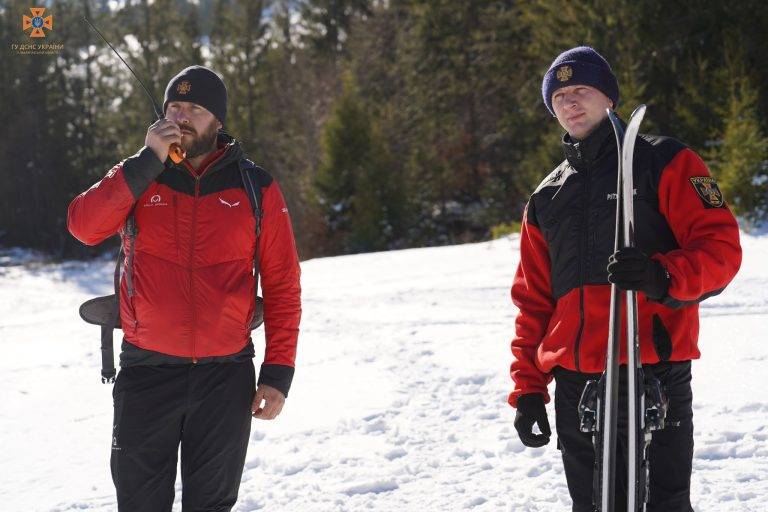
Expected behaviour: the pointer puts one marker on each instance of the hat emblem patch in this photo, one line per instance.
(183, 87)
(564, 73)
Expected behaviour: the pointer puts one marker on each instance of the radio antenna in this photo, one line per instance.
(175, 152)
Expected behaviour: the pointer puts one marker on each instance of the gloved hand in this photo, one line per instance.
(530, 410)
(630, 269)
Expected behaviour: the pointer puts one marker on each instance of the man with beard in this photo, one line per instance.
(187, 302)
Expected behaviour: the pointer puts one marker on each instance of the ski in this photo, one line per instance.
(635, 401)
(598, 407)
(645, 398)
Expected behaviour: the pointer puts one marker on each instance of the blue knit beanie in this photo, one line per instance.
(579, 66)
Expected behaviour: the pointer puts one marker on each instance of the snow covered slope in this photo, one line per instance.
(399, 401)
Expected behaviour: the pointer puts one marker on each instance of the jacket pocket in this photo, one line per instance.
(662, 342)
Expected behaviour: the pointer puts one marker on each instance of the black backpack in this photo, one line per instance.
(105, 311)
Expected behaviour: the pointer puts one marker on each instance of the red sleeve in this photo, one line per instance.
(532, 294)
(280, 279)
(98, 213)
(705, 229)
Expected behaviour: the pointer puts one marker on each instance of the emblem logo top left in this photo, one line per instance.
(37, 22)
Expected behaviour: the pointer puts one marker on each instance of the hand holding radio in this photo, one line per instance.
(161, 135)
(173, 149)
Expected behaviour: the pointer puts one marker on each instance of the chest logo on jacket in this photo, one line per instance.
(613, 196)
(231, 205)
(156, 200)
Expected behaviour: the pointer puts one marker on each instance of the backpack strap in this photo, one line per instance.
(252, 181)
(105, 311)
(112, 321)
(131, 232)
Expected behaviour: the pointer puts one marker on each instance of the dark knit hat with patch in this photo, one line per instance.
(580, 66)
(200, 85)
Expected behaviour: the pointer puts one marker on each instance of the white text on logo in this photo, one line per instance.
(156, 200)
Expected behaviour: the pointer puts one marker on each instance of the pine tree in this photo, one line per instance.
(356, 189)
(40, 144)
(238, 47)
(740, 161)
(460, 67)
(327, 22)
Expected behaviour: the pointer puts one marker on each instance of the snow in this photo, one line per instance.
(399, 400)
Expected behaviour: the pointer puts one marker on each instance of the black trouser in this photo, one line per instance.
(670, 452)
(204, 407)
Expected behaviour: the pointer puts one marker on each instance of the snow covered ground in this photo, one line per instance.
(399, 400)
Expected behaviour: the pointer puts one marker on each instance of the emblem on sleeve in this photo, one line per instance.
(708, 191)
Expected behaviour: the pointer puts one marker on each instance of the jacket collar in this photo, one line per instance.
(601, 141)
(229, 150)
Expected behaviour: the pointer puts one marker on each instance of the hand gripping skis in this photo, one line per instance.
(647, 406)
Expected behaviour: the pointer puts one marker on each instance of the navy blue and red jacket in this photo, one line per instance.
(561, 285)
(192, 293)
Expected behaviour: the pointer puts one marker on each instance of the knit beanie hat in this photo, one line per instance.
(200, 85)
(579, 66)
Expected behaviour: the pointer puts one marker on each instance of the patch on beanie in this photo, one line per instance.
(183, 87)
(564, 73)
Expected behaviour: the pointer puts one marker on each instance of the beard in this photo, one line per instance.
(195, 145)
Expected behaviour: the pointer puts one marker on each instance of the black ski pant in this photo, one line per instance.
(207, 409)
(670, 452)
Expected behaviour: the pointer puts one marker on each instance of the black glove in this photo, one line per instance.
(530, 410)
(630, 269)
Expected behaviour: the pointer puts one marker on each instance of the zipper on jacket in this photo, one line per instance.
(584, 232)
(191, 276)
(198, 177)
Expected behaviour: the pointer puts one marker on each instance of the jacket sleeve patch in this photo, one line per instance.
(707, 189)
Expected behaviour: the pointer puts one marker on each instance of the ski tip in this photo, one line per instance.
(617, 127)
(613, 116)
(639, 111)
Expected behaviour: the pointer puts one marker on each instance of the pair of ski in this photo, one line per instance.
(598, 407)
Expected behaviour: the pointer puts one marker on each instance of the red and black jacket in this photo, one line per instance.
(191, 292)
(561, 286)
